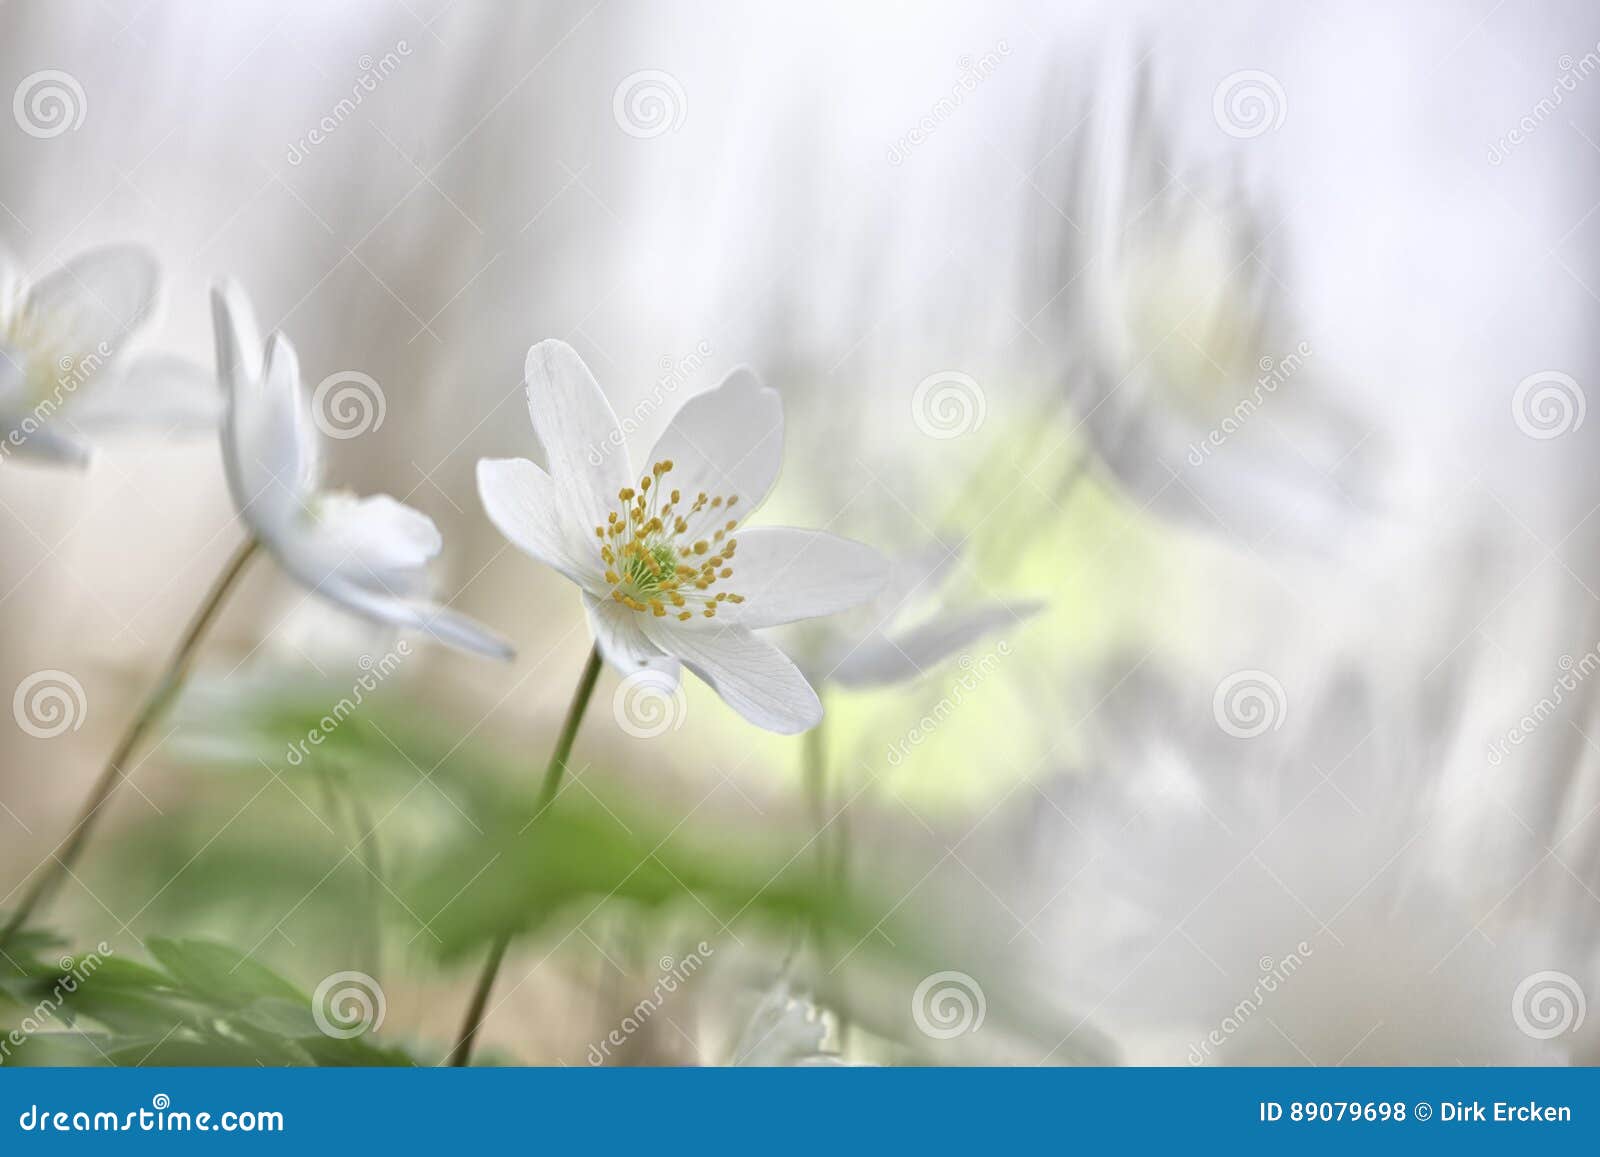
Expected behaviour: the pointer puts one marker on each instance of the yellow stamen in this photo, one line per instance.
(644, 546)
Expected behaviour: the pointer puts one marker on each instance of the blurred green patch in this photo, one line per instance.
(195, 1003)
(398, 847)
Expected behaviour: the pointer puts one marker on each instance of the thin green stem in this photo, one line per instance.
(830, 842)
(367, 840)
(814, 766)
(159, 699)
(343, 802)
(814, 772)
(814, 753)
(461, 1054)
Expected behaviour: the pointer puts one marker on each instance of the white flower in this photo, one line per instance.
(1196, 387)
(876, 646)
(65, 373)
(1196, 862)
(666, 572)
(784, 1031)
(367, 555)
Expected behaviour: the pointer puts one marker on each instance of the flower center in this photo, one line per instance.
(43, 361)
(652, 564)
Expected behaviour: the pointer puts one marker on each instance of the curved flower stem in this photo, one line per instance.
(461, 1054)
(159, 699)
(815, 770)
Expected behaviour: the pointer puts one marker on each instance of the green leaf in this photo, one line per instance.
(28, 947)
(285, 1018)
(219, 974)
(124, 1011)
(185, 1051)
(77, 1049)
(354, 1052)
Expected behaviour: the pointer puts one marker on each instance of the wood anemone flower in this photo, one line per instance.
(668, 571)
(368, 555)
(67, 373)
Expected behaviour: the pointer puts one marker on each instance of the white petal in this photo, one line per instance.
(784, 1031)
(1261, 491)
(916, 576)
(753, 677)
(521, 501)
(786, 574)
(93, 302)
(238, 338)
(881, 659)
(154, 392)
(271, 444)
(368, 555)
(619, 634)
(579, 432)
(45, 444)
(441, 623)
(240, 371)
(380, 540)
(726, 441)
(288, 440)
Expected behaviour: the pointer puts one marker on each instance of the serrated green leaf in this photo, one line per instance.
(220, 974)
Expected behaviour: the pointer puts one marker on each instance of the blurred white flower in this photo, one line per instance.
(1227, 903)
(882, 644)
(1191, 382)
(66, 377)
(784, 1031)
(367, 555)
(655, 554)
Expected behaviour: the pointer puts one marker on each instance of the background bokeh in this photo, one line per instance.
(1058, 219)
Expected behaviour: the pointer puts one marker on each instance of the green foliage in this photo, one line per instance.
(286, 857)
(198, 1003)
(472, 852)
